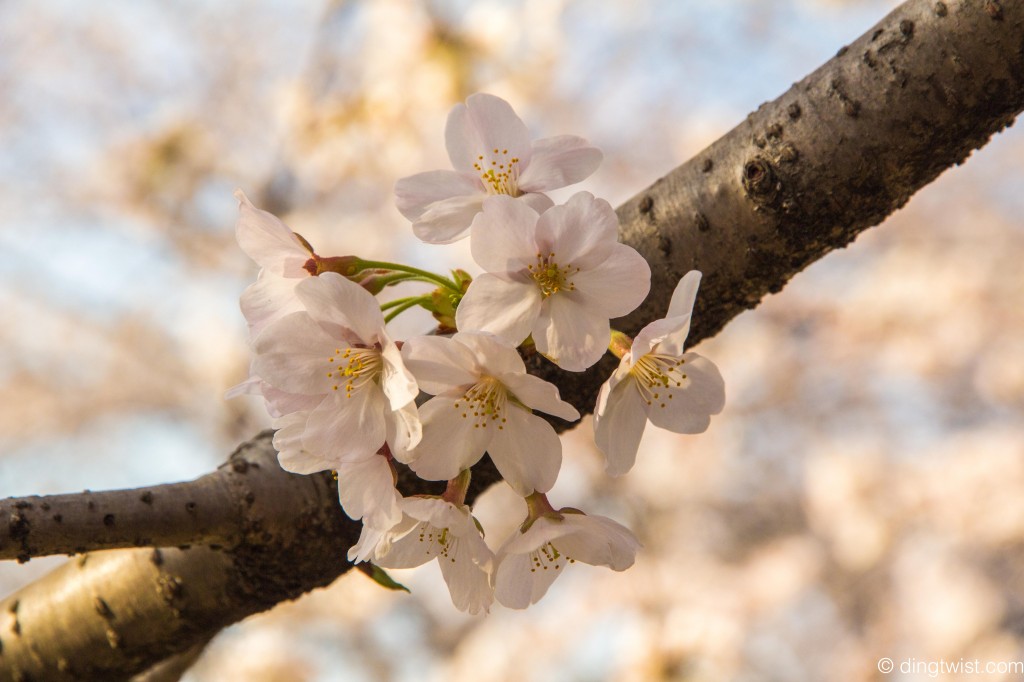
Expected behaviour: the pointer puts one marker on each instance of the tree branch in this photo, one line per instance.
(803, 175)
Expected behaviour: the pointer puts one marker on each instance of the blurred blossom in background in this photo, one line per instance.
(859, 497)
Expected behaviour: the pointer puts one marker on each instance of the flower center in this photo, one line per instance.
(485, 402)
(499, 173)
(657, 377)
(547, 557)
(357, 367)
(550, 277)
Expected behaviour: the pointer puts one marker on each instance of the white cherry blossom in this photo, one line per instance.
(281, 256)
(336, 363)
(490, 150)
(559, 276)
(529, 561)
(484, 402)
(656, 381)
(434, 528)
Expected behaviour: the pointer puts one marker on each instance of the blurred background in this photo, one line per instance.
(861, 495)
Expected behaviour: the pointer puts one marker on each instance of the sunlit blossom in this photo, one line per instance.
(335, 360)
(490, 150)
(559, 277)
(434, 528)
(657, 382)
(530, 560)
(484, 402)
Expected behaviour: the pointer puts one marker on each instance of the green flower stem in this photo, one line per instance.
(422, 274)
(401, 301)
(405, 304)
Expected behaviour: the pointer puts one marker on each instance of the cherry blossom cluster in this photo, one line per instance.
(346, 397)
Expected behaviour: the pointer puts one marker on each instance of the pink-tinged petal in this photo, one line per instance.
(481, 125)
(412, 548)
(415, 193)
(502, 235)
(689, 408)
(268, 241)
(526, 451)
(267, 300)
(366, 490)
(367, 545)
(538, 394)
(336, 302)
(291, 454)
(492, 355)
(502, 307)
(619, 422)
(451, 440)
(250, 386)
(558, 162)
(292, 355)
(404, 431)
(439, 363)
(345, 428)
(517, 584)
(280, 403)
(571, 335)
(618, 285)
(537, 201)
(540, 533)
(598, 541)
(684, 295)
(468, 583)
(447, 221)
(582, 233)
(396, 380)
(667, 335)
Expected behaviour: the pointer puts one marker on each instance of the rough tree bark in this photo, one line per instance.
(803, 175)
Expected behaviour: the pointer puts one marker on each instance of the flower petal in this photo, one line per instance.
(582, 233)
(598, 541)
(268, 241)
(527, 452)
(483, 124)
(667, 335)
(468, 583)
(502, 307)
(491, 354)
(538, 202)
(502, 236)
(559, 161)
(690, 406)
(411, 549)
(571, 335)
(450, 443)
(404, 430)
(334, 301)
(619, 421)
(397, 382)
(517, 584)
(415, 193)
(439, 363)
(448, 221)
(344, 428)
(366, 490)
(267, 300)
(291, 454)
(538, 394)
(618, 285)
(292, 355)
